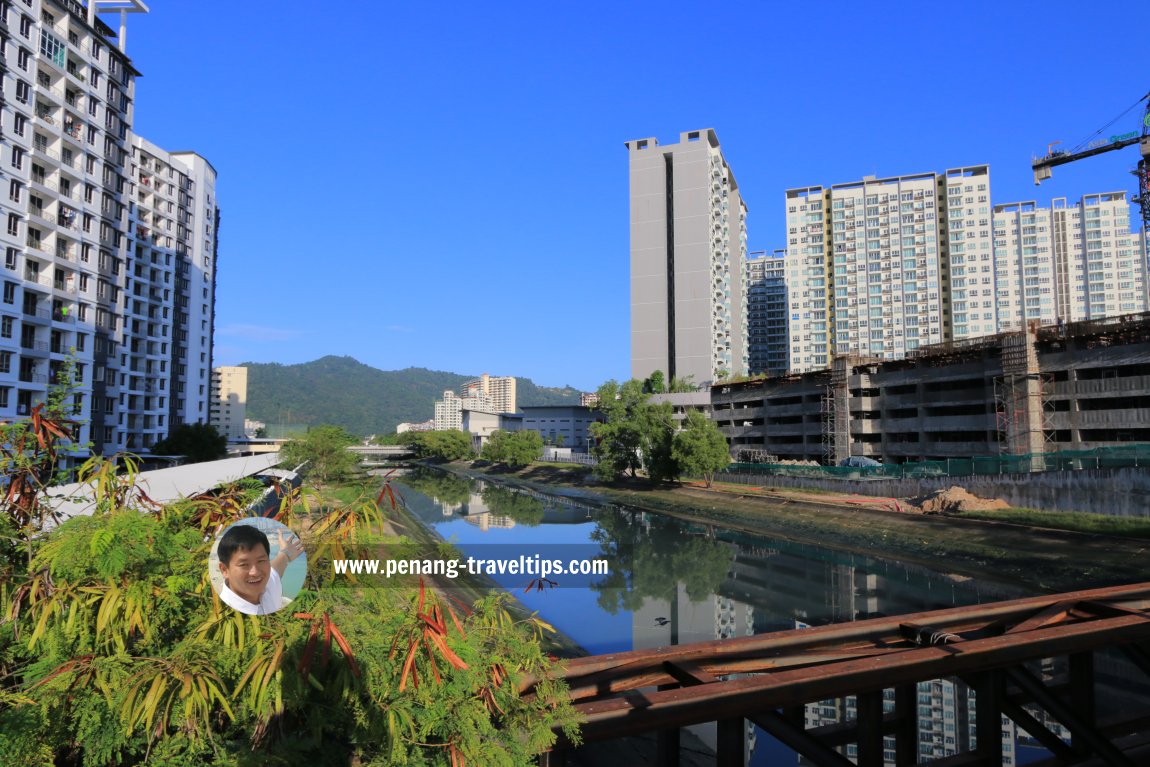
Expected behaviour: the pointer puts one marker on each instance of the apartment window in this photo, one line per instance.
(4, 397)
(9, 292)
(5, 362)
(13, 224)
(25, 26)
(22, 58)
(22, 91)
(92, 134)
(7, 326)
(17, 157)
(10, 257)
(52, 47)
(14, 188)
(18, 123)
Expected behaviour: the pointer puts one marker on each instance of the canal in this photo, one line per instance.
(674, 582)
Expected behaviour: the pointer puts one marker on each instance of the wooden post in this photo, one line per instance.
(869, 729)
(667, 741)
(906, 734)
(730, 750)
(988, 689)
(1082, 695)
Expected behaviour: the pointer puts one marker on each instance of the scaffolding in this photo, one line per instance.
(836, 414)
(1022, 407)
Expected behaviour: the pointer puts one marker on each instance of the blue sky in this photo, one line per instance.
(445, 185)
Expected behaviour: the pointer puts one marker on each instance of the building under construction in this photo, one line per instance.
(1058, 387)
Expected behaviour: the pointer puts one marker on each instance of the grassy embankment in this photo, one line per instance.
(1021, 547)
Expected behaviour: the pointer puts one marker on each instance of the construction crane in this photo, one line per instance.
(1098, 143)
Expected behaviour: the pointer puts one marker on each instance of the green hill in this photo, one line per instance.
(363, 399)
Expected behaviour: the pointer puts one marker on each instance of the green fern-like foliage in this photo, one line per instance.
(115, 651)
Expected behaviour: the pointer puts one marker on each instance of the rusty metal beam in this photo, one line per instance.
(614, 672)
(619, 716)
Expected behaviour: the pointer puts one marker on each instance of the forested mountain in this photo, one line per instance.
(363, 399)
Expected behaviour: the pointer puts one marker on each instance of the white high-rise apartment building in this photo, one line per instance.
(866, 262)
(1068, 262)
(499, 391)
(448, 412)
(170, 297)
(109, 242)
(688, 245)
(230, 401)
(968, 263)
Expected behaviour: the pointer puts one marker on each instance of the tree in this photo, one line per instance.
(618, 439)
(513, 448)
(636, 434)
(198, 442)
(520, 507)
(655, 383)
(449, 445)
(325, 451)
(683, 385)
(700, 449)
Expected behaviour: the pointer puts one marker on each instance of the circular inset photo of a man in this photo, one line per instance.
(257, 566)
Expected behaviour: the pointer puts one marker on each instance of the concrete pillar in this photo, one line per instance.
(1022, 396)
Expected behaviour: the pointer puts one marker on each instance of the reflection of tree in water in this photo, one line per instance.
(445, 488)
(650, 557)
(520, 507)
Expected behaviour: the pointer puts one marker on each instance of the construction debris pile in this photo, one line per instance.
(954, 499)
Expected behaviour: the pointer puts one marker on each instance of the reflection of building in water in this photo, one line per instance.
(487, 521)
(681, 620)
(794, 581)
(475, 512)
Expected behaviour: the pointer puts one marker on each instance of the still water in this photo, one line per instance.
(673, 582)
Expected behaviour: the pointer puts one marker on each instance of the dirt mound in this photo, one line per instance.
(957, 499)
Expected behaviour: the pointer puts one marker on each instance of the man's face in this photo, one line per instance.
(247, 573)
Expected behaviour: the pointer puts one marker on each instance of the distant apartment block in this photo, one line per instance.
(881, 267)
(449, 410)
(588, 399)
(109, 243)
(866, 262)
(499, 392)
(421, 426)
(688, 245)
(766, 290)
(1066, 262)
(229, 401)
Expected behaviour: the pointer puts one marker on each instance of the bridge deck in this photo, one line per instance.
(768, 678)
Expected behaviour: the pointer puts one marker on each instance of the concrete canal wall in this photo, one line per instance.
(1121, 492)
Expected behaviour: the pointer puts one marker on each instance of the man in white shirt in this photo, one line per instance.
(252, 578)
